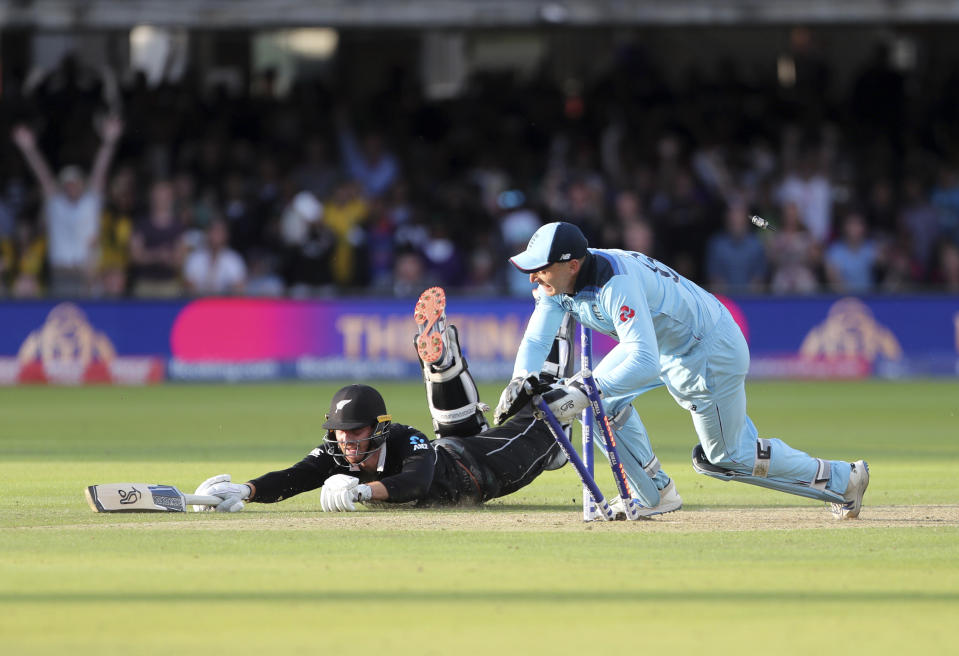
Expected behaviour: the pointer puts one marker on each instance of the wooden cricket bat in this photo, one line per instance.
(142, 497)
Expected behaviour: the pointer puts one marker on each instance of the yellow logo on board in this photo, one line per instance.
(66, 342)
(851, 330)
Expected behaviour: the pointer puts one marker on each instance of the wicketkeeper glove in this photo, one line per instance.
(568, 400)
(340, 492)
(232, 494)
(517, 394)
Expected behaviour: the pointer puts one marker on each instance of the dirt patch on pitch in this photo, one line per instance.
(512, 518)
(762, 519)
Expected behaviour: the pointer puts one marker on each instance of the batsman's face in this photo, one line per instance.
(557, 278)
(354, 444)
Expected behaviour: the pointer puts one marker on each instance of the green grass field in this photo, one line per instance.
(738, 570)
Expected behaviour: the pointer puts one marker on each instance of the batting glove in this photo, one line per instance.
(340, 492)
(232, 494)
(340, 482)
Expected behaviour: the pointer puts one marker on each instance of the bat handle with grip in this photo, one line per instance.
(201, 500)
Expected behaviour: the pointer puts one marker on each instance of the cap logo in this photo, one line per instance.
(342, 404)
(564, 256)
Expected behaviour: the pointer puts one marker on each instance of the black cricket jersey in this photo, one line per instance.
(411, 468)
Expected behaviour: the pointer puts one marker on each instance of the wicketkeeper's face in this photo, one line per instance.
(354, 444)
(557, 278)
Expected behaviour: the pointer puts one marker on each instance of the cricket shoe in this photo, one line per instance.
(669, 501)
(430, 317)
(858, 482)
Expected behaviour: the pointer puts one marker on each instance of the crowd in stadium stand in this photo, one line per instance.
(319, 193)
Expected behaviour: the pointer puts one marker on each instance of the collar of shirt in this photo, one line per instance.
(587, 274)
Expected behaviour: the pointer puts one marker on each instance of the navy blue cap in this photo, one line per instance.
(554, 242)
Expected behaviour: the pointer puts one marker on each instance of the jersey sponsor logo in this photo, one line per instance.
(419, 443)
(626, 313)
(596, 312)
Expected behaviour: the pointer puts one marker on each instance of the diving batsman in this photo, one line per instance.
(365, 456)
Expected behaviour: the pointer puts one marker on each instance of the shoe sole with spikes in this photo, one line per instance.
(430, 314)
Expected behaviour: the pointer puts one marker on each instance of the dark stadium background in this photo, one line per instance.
(653, 128)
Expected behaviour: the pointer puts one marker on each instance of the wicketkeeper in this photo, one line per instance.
(671, 332)
(365, 456)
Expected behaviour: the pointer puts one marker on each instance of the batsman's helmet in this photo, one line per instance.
(352, 407)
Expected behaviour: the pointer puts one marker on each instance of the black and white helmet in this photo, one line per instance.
(356, 406)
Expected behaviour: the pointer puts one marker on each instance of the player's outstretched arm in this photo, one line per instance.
(274, 486)
(537, 340)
